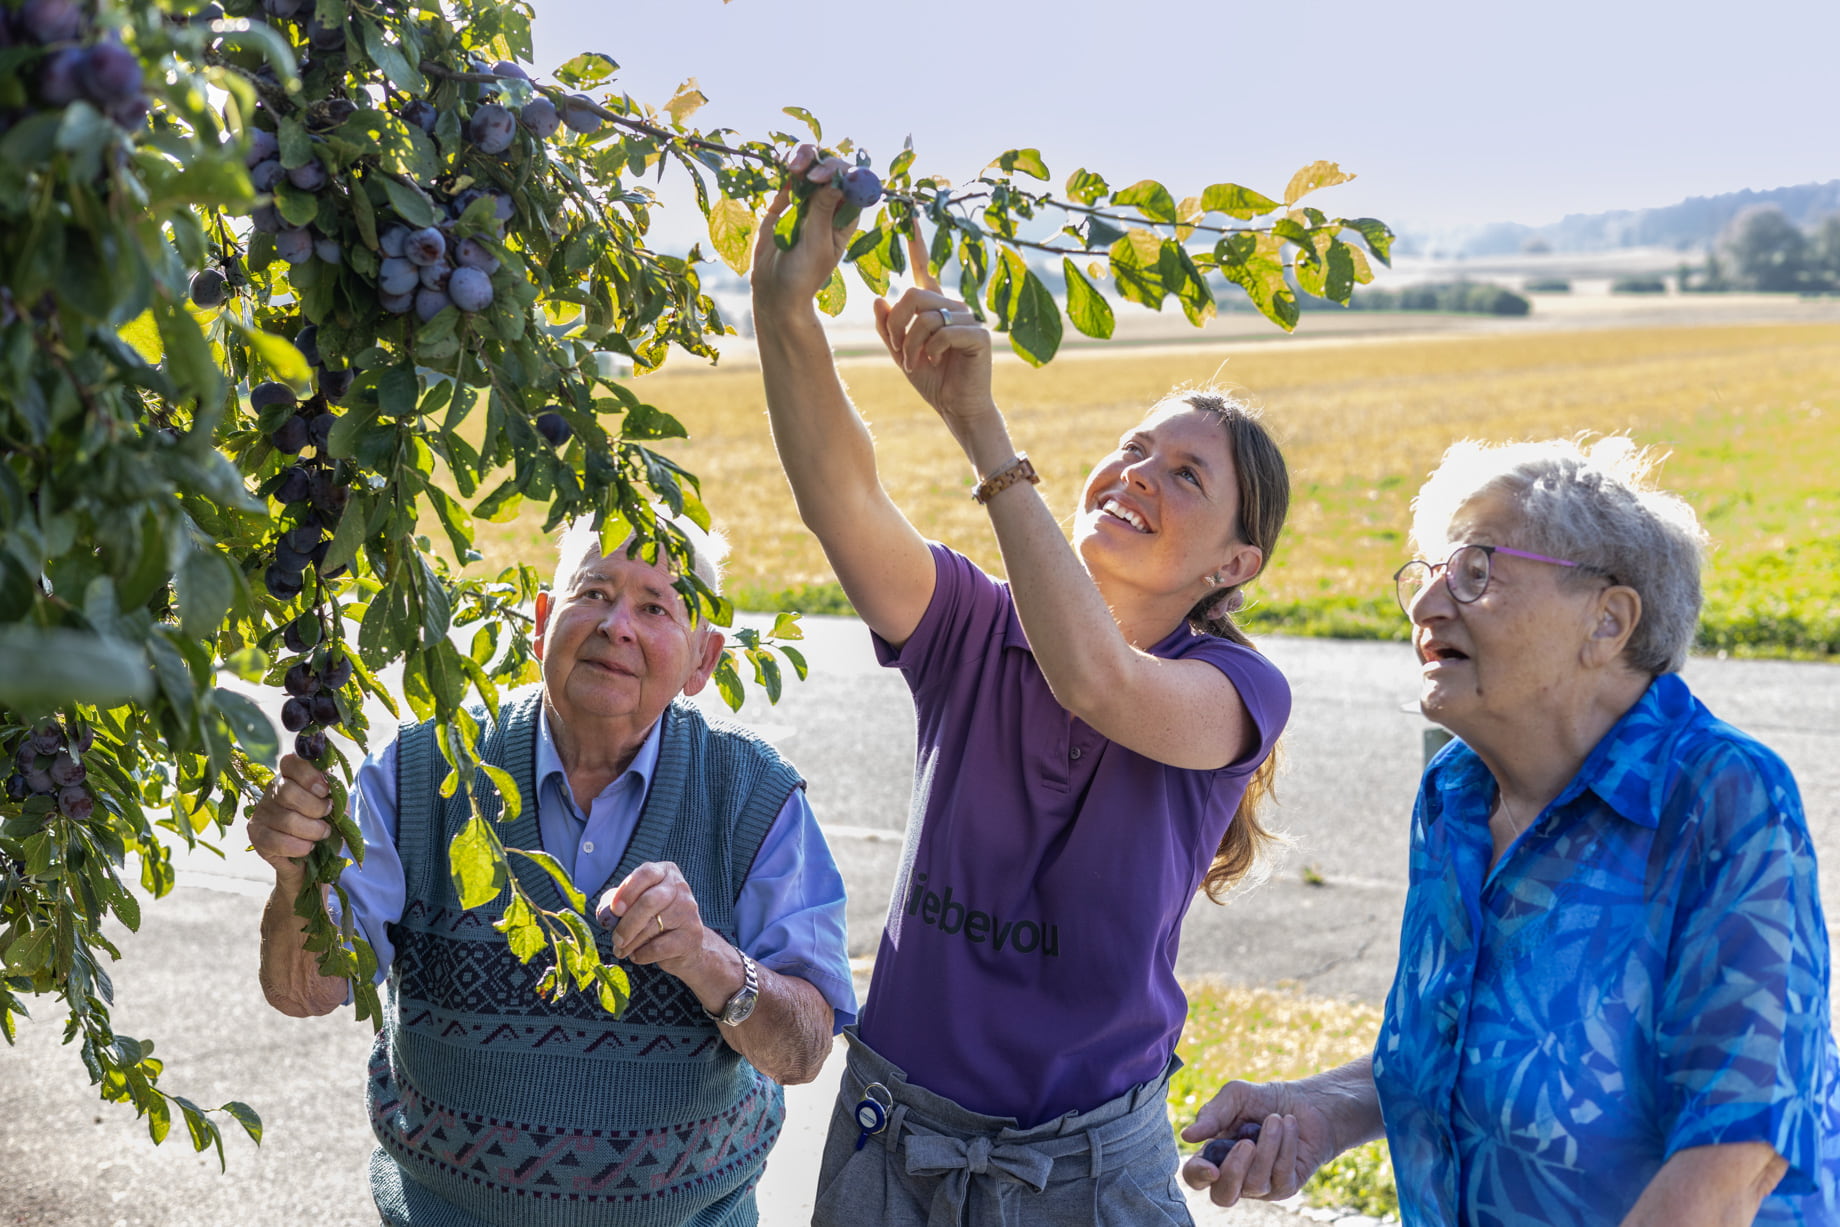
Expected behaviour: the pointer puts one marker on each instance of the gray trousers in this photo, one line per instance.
(938, 1165)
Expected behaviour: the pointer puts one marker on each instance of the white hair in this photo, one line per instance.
(708, 548)
(1591, 503)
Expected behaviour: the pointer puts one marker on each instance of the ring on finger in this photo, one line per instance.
(660, 919)
(945, 317)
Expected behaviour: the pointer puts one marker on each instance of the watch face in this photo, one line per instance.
(739, 1007)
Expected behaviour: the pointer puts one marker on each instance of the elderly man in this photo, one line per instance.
(493, 1106)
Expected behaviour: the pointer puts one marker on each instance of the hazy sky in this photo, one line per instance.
(1452, 112)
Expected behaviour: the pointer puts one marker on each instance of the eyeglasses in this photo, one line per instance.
(1466, 573)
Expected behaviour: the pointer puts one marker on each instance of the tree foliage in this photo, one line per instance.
(292, 293)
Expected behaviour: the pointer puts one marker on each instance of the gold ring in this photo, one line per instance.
(660, 919)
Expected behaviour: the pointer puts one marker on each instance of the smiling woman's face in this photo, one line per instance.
(1508, 657)
(1162, 510)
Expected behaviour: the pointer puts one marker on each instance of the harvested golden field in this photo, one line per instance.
(1751, 414)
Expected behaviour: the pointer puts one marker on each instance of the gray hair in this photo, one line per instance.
(708, 548)
(1591, 503)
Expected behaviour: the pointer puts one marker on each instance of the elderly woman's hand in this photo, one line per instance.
(1266, 1138)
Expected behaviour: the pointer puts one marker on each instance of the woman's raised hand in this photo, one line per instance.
(782, 279)
(940, 345)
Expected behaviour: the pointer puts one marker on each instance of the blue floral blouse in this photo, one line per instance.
(1644, 970)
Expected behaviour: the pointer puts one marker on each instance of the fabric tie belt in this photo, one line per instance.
(959, 1159)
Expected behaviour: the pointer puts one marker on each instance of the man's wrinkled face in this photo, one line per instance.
(616, 641)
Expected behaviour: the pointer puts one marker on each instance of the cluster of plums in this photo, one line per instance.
(311, 488)
(312, 685)
(103, 73)
(49, 763)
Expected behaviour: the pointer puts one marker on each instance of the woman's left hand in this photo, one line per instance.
(942, 348)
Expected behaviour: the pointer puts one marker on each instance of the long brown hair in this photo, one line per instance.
(1264, 501)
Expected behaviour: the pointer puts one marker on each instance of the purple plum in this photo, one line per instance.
(425, 246)
(397, 275)
(208, 288)
(578, 112)
(295, 245)
(110, 75)
(470, 288)
(296, 714)
(430, 303)
(271, 393)
(309, 176)
(541, 117)
(434, 276)
(492, 128)
(262, 147)
(471, 253)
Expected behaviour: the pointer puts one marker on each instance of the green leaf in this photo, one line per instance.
(1310, 178)
(1034, 319)
(253, 731)
(522, 931)
(1028, 161)
(188, 355)
(246, 1116)
(831, 298)
(1150, 198)
(550, 865)
(278, 354)
(728, 682)
(1255, 262)
(1136, 261)
(586, 70)
(43, 669)
(1236, 201)
(31, 952)
(786, 626)
(1084, 187)
(206, 585)
(159, 1118)
(399, 390)
(1378, 235)
(411, 203)
(389, 57)
(808, 119)
(507, 788)
(615, 988)
(476, 863)
(1086, 307)
(731, 229)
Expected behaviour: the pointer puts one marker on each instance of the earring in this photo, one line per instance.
(1212, 581)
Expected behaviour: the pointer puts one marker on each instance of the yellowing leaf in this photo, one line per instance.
(731, 229)
(144, 335)
(685, 102)
(1312, 177)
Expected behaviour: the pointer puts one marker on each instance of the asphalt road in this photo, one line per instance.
(1352, 758)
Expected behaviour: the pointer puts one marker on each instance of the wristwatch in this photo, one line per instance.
(736, 1011)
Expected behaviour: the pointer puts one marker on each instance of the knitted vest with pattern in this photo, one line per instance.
(494, 1107)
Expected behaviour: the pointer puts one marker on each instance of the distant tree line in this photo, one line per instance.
(1762, 249)
(1470, 297)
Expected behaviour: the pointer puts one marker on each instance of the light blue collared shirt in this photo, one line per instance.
(789, 915)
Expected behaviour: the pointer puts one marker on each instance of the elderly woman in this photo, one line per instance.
(1612, 997)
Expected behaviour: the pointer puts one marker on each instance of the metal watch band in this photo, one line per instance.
(736, 1009)
(1017, 470)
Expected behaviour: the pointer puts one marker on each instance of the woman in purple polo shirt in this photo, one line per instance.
(1093, 737)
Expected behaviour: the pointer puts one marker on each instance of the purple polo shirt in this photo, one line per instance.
(1027, 968)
